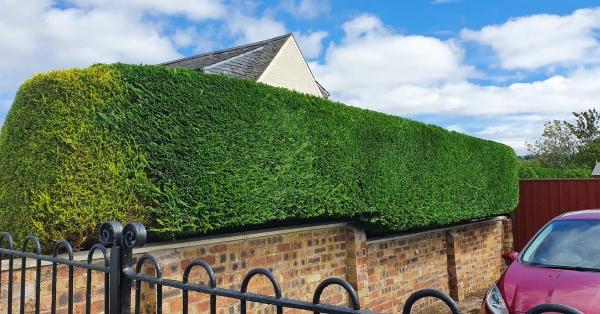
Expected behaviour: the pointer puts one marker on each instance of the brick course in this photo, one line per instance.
(399, 267)
(461, 261)
(475, 252)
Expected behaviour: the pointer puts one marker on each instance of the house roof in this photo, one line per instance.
(248, 61)
(596, 171)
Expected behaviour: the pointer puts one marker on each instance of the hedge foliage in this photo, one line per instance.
(186, 152)
(530, 172)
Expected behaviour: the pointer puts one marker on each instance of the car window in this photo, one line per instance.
(567, 243)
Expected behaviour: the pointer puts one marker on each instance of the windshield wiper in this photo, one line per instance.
(575, 268)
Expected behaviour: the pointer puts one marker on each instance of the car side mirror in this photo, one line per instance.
(510, 257)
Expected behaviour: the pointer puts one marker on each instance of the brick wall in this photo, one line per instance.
(79, 285)
(507, 236)
(461, 261)
(474, 255)
(399, 266)
(299, 260)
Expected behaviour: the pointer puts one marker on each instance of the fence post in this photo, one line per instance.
(111, 233)
(123, 240)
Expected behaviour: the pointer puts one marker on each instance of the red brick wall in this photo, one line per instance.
(461, 261)
(507, 236)
(474, 252)
(398, 267)
(299, 261)
(79, 284)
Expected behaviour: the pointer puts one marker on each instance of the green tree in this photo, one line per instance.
(588, 154)
(586, 127)
(556, 147)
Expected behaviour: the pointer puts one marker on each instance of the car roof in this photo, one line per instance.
(581, 214)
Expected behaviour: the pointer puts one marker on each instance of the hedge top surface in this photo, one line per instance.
(530, 172)
(186, 152)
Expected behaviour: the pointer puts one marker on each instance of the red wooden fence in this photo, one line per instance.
(542, 200)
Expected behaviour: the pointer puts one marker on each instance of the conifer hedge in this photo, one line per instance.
(530, 172)
(186, 152)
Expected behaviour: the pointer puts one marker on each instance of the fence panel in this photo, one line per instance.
(542, 200)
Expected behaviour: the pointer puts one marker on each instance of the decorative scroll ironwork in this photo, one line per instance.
(430, 293)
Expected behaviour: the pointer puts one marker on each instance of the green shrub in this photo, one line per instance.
(186, 152)
(528, 172)
(588, 155)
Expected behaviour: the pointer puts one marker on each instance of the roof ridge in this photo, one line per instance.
(258, 43)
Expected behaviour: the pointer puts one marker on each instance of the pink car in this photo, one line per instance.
(560, 265)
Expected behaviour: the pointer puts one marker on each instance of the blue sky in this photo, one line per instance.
(492, 69)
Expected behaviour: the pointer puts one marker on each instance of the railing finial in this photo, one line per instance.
(134, 235)
(110, 233)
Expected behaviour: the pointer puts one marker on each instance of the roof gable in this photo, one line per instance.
(252, 61)
(248, 61)
(290, 70)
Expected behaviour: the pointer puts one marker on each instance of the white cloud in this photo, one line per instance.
(197, 41)
(185, 37)
(251, 29)
(555, 95)
(515, 130)
(363, 26)
(371, 59)
(543, 40)
(195, 10)
(306, 9)
(311, 44)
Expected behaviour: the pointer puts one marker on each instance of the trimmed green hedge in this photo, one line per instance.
(186, 152)
(529, 172)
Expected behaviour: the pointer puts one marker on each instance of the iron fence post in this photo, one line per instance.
(115, 278)
(111, 233)
(125, 283)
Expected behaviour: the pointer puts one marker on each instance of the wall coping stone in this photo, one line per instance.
(409, 235)
(189, 242)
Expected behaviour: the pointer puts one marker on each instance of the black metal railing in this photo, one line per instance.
(120, 271)
(7, 252)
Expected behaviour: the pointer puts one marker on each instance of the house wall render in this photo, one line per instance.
(289, 70)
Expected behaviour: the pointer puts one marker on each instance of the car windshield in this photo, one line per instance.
(571, 244)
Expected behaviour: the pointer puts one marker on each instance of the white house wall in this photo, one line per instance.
(289, 70)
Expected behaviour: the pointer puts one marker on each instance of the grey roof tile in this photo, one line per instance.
(248, 61)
